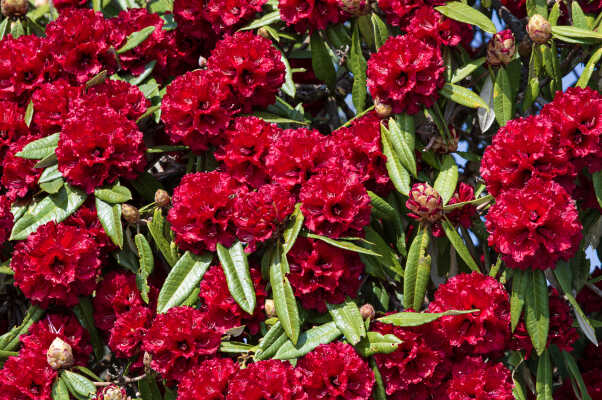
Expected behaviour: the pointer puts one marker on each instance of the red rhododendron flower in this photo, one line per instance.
(428, 24)
(312, 14)
(12, 124)
(399, 12)
(406, 73)
(67, 328)
(335, 203)
(192, 26)
(179, 339)
(484, 332)
(195, 109)
(225, 15)
(129, 330)
(418, 365)
(245, 150)
(116, 294)
(86, 218)
(321, 273)
(250, 66)
(463, 215)
(56, 264)
(516, 7)
(269, 380)
(52, 102)
(208, 380)
(201, 216)
(590, 301)
(6, 218)
(590, 6)
(473, 378)
(97, 146)
(121, 96)
(26, 377)
(220, 307)
(259, 214)
(521, 149)
(335, 371)
(535, 226)
(19, 177)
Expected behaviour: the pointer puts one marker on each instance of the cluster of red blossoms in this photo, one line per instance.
(531, 169)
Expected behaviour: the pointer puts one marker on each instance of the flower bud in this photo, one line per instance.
(59, 354)
(442, 146)
(130, 213)
(146, 360)
(202, 62)
(501, 48)
(263, 32)
(112, 392)
(355, 7)
(270, 308)
(425, 203)
(383, 110)
(14, 8)
(539, 29)
(367, 311)
(162, 198)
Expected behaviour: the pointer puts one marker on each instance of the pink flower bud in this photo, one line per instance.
(59, 354)
(112, 392)
(425, 203)
(355, 7)
(539, 29)
(501, 48)
(14, 8)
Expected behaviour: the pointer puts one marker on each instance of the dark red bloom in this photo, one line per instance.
(208, 380)
(521, 149)
(179, 339)
(399, 12)
(269, 380)
(129, 330)
(12, 124)
(26, 377)
(591, 6)
(535, 226)
(418, 365)
(335, 371)
(195, 109)
(225, 15)
(97, 146)
(56, 264)
(516, 7)
(86, 218)
(52, 102)
(247, 143)
(6, 218)
(201, 216)
(321, 273)
(428, 24)
(406, 73)
(19, 177)
(473, 378)
(335, 203)
(115, 295)
(192, 26)
(463, 215)
(591, 302)
(310, 14)
(250, 66)
(67, 328)
(484, 332)
(121, 96)
(259, 214)
(221, 309)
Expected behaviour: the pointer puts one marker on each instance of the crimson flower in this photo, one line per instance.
(271, 379)
(208, 380)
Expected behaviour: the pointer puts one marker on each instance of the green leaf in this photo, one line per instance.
(377, 343)
(284, 298)
(398, 174)
(579, 20)
(520, 282)
(157, 228)
(276, 119)
(576, 33)
(379, 392)
(50, 174)
(29, 113)
(321, 61)
(406, 318)
(589, 68)
(417, 250)
(4, 27)
(357, 65)
(486, 116)
(59, 389)
(236, 268)
(40, 148)
(537, 310)
(423, 277)
(78, 385)
(147, 264)
(537, 7)
(462, 95)
(582, 319)
(235, 347)
(17, 29)
(544, 377)
(47, 161)
(264, 20)
(381, 31)
(109, 216)
(149, 389)
(475, 202)
(84, 313)
(291, 232)
(532, 90)
(502, 97)
(459, 245)
(576, 376)
(182, 280)
(288, 86)
(113, 194)
(388, 259)
(446, 181)
(381, 208)
(343, 245)
(467, 69)
(554, 14)
(10, 340)
(56, 207)
(348, 319)
(271, 342)
(403, 139)
(52, 187)
(308, 340)
(135, 39)
(465, 13)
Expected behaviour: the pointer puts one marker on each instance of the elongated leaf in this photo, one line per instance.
(29, 113)
(379, 392)
(467, 69)
(157, 228)
(56, 207)
(78, 385)
(544, 377)
(376, 343)
(554, 14)
(149, 390)
(577, 33)
(357, 65)
(406, 318)
(321, 61)
(308, 340)
(423, 277)
(446, 181)
(147, 264)
(40, 148)
(459, 245)
(464, 13)
(114, 194)
(389, 259)
(4, 27)
(576, 376)
(52, 187)
(462, 95)
(289, 85)
(381, 208)
(475, 202)
(403, 140)
(59, 389)
(182, 280)
(109, 216)
(537, 310)
(398, 174)
(486, 116)
(417, 250)
(135, 39)
(291, 232)
(537, 7)
(284, 298)
(341, 244)
(502, 97)
(582, 319)
(589, 68)
(520, 282)
(10, 340)
(236, 268)
(84, 313)
(50, 174)
(348, 319)
(579, 19)
(273, 336)
(266, 19)
(380, 29)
